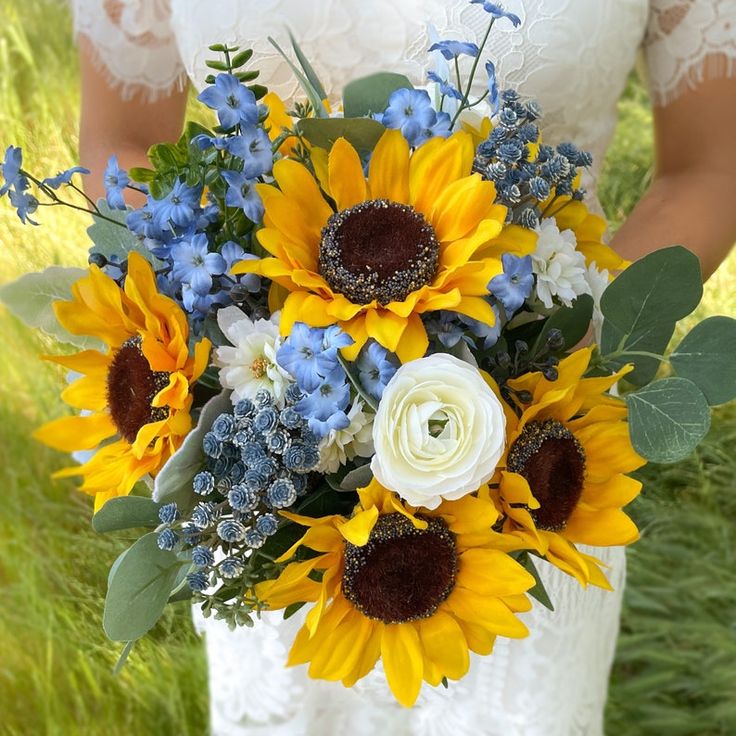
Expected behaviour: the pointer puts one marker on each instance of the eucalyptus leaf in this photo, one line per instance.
(116, 240)
(291, 609)
(667, 419)
(573, 322)
(707, 356)
(652, 338)
(31, 299)
(139, 588)
(173, 484)
(126, 512)
(362, 133)
(370, 94)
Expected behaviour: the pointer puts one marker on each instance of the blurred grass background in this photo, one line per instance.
(676, 666)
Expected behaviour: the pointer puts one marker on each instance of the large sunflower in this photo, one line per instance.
(138, 389)
(417, 588)
(564, 480)
(374, 254)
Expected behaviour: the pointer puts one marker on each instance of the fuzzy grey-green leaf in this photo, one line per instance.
(361, 133)
(707, 356)
(667, 419)
(115, 240)
(126, 512)
(370, 94)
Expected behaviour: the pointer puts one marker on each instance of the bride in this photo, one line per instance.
(574, 57)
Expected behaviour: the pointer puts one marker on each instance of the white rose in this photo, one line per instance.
(439, 431)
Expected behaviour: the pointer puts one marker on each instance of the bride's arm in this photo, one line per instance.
(692, 200)
(110, 124)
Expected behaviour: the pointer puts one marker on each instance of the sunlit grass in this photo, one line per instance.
(676, 667)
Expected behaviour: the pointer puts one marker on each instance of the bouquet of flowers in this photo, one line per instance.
(338, 358)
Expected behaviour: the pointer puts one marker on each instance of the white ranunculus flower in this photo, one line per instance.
(439, 431)
(341, 445)
(251, 364)
(558, 266)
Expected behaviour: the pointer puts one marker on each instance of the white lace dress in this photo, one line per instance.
(573, 56)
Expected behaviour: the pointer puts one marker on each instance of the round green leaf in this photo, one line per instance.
(707, 356)
(139, 586)
(667, 419)
(370, 94)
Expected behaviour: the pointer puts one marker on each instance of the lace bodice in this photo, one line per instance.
(573, 56)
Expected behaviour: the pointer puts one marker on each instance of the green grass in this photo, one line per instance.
(676, 666)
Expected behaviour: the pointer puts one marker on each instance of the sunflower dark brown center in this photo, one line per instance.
(378, 250)
(403, 573)
(131, 386)
(552, 460)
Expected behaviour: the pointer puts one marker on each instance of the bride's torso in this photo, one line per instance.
(573, 56)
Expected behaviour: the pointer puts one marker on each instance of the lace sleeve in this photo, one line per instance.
(133, 42)
(688, 42)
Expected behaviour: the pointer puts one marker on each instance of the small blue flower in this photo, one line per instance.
(11, 170)
(211, 445)
(25, 204)
(282, 493)
(198, 581)
(252, 453)
(497, 11)
(231, 568)
(168, 513)
(237, 473)
(515, 284)
(266, 467)
(142, 222)
(301, 481)
(116, 179)
(264, 398)
(241, 193)
(203, 483)
(295, 457)
(441, 127)
(224, 427)
(234, 103)
(204, 142)
(539, 188)
(446, 327)
(254, 480)
(375, 369)
(445, 87)
(179, 206)
(65, 177)
(409, 110)
(193, 264)
(267, 524)
(489, 334)
(253, 146)
(324, 407)
(452, 49)
(167, 539)
(243, 498)
(230, 530)
(493, 100)
(202, 557)
(254, 539)
(304, 357)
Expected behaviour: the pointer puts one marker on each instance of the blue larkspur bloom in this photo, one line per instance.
(10, 169)
(234, 253)
(446, 327)
(241, 193)
(488, 333)
(324, 408)
(497, 11)
(441, 127)
(451, 49)
(142, 222)
(64, 177)
(303, 356)
(204, 142)
(234, 103)
(25, 204)
(445, 87)
(515, 284)
(195, 265)
(411, 112)
(179, 206)
(375, 369)
(115, 179)
(253, 146)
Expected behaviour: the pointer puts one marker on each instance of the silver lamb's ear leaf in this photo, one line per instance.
(31, 299)
(173, 484)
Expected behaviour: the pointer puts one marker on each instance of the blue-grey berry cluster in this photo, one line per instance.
(258, 459)
(522, 177)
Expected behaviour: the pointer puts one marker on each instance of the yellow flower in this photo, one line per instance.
(564, 480)
(419, 589)
(278, 119)
(394, 246)
(138, 389)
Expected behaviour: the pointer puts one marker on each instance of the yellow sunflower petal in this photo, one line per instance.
(347, 184)
(600, 527)
(462, 206)
(358, 529)
(414, 342)
(479, 639)
(492, 573)
(490, 612)
(616, 492)
(88, 392)
(299, 185)
(402, 661)
(76, 433)
(388, 174)
(444, 644)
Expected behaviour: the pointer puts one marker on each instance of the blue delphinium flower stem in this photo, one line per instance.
(464, 102)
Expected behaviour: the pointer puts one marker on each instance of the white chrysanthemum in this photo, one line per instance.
(341, 445)
(251, 364)
(439, 431)
(598, 280)
(558, 266)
